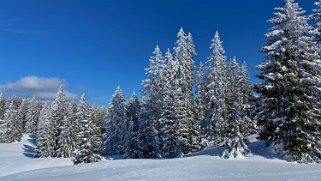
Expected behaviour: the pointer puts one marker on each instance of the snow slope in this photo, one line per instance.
(18, 157)
(205, 165)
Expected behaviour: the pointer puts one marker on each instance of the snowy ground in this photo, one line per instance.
(16, 163)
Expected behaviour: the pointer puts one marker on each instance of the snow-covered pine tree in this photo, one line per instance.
(247, 101)
(132, 140)
(85, 149)
(114, 136)
(32, 116)
(2, 106)
(152, 90)
(232, 95)
(66, 142)
(152, 85)
(290, 88)
(98, 117)
(194, 127)
(148, 135)
(317, 17)
(184, 51)
(12, 132)
(16, 101)
(58, 112)
(170, 145)
(232, 135)
(22, 115)
(74, 122)
(216, 112)
(168, 129)
(201, 102)
(42, 149)
(234, 143)
(2, 121)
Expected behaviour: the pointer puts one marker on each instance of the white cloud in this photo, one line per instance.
(39, 87)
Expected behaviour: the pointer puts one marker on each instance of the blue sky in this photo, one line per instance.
(94, 45)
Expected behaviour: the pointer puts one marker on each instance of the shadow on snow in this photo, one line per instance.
(29, 149)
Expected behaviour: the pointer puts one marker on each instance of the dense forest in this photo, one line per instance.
(184, 110)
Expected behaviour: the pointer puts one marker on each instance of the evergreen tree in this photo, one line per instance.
(168, 130)
(2, 106)
(98, 117)
(152, 86)
(233, 91)
(216, 112)
(184, 52)
(234, 143)
(114, 136)
(42, 149)
(32, 116)
(201, 102)
(232, 135)
(12, 132)
(317, 17)
(66, 142)
(148, 135)
(58, 112)
(152, 91)
(16, 101)
(22, 115)
(170, 145)
(85, 152)
(247, 103)
(290, 88)
(132, 140)
(2, 121)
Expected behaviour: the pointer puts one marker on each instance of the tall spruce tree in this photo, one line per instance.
(132, 139)
(168, 129)
(97, 116)
(152, 85)
(188, 133)
(216, 112)
(317, 17)
(148, 135)
(232, 135)
(2, 106)
(22, 115)
(201, 96)
(32, 116)
(290, 88)
(114, 136)
(42, 149)
(247, 102)
(85, 150)
(12, 132)
(66, 142)
(152, 90)
(58, 112)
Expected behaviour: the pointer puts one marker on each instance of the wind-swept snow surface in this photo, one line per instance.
(16, 164)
